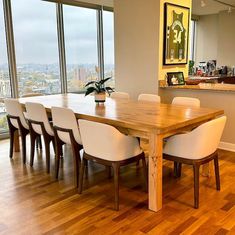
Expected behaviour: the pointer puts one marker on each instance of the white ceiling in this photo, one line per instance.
(211, 7)
(108, 3)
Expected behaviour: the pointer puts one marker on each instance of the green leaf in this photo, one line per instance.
(90, 90)
(105, 80)
(89, 83)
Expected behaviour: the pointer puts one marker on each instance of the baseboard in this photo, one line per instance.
(227, 146)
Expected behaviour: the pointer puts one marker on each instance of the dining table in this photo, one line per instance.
(143, 119)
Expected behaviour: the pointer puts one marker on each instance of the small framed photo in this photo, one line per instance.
(175, 78)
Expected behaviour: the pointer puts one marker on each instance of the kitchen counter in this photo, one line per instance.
(202, 86)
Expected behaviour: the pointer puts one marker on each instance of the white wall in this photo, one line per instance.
(216, 38)
(207, 38)
(136, 46)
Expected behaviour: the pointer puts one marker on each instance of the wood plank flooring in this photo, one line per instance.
(32, 202)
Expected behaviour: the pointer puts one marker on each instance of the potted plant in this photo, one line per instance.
(99, 89)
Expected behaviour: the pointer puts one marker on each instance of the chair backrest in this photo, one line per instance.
(199, 143)
(120, 95)
(149, 97)
(65, 118)
(186, 101)
(37, 112)
(14, 108)
(106, 142)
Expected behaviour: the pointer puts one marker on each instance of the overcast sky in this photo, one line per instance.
(35, 33)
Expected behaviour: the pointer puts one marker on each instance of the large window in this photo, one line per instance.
(5, 86)
(35, 32)
(80, 30)
(52, 47)
(108, 32)
(192, 40)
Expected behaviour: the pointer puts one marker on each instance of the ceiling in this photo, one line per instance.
(108, 3)
(211, 7)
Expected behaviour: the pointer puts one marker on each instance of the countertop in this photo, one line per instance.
(203, 86)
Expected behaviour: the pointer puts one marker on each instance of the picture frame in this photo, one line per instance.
(176, 34)
(175, 79)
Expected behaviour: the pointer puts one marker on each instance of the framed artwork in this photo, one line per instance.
(176, 34)
(175, 78)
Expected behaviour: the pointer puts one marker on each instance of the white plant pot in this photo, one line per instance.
(100, 98)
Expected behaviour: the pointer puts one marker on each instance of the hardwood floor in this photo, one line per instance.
(32, 202)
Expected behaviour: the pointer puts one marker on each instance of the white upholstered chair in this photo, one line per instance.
(120, 95)
(186, 101)
(107, 146)
(16, 121)
(196, 148)
(150, 98)
(39, 125)
(66, 131)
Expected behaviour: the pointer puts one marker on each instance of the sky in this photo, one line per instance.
(35, 33)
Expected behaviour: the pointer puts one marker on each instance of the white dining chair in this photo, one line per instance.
(66, 131)
(186, 101)
(107, 146)
(39, 125)
(150, 98)
(197, 148)
(16, 121)
(120, 95)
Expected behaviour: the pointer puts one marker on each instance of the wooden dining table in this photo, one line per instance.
(148, 120)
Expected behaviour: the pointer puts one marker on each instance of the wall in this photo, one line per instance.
(207, 38)
(164, 69)
(215, 38)
(136, 46)
(139, 45)
(210, 99)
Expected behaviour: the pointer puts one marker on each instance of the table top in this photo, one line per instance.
(142, 116)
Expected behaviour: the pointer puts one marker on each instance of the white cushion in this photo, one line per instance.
(199, 143)
(106, 142)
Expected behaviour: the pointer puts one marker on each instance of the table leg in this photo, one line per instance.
(155, 172)
(17, 142)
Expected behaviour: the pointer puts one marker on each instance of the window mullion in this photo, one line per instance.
(10, 48)
(61, 46)
(100, 43)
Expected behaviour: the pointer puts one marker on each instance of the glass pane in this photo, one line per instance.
(5, 86)
(80, 28)
(108, 29)
(36, 44)
(192, 40)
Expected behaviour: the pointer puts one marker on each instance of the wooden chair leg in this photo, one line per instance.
(86, 168)
(47, 148)
(32, 150)
(177, 169)
(196, 186)
(57, 163)
(109, 171)
(116, 167)
(145, 171)
(81, 176)
(39, 142)
(23, 142)
(217, 175)
(76, 164)
(12, 137)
